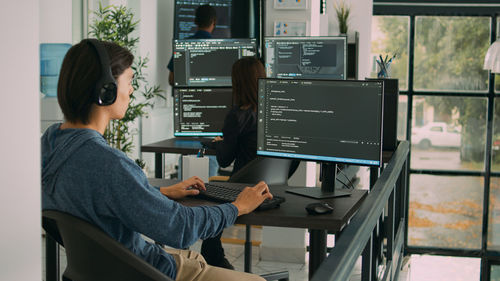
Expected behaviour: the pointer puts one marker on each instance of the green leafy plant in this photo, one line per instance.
(343, 11)
(117, 24)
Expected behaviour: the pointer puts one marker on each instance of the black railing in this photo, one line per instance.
(376, 232)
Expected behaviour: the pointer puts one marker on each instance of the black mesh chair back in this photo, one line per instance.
(93, 256)
(273, 171)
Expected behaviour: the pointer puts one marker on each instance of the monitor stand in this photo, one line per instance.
(328, 177)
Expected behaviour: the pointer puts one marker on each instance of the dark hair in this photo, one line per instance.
(80, 71)
(245, 75)
(205, 15)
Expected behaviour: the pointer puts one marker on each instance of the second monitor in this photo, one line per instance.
(200, 112)
(306, 57)
(208, 62)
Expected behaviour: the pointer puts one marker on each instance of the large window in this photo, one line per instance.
(452, 121)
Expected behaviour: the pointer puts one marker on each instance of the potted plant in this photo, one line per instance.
(342, 11)
(116, 24)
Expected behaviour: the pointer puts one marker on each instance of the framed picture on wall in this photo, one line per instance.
(290, 4)
(291, 28)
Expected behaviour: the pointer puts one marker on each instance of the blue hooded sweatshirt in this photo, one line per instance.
(83, 176)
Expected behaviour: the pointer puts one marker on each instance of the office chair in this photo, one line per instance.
(273, 171)
(93, 255)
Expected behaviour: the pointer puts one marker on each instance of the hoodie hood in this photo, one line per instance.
(57, 147)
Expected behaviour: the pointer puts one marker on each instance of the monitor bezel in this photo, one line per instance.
(196, 134)
(283, 155)
(308, 38)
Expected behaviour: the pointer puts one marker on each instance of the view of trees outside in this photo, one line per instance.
(448, 132)
(395, 28)
(398, 45)
(449, 53)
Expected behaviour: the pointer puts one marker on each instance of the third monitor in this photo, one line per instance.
(306, 57)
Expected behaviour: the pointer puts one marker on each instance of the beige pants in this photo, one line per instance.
(191, 266)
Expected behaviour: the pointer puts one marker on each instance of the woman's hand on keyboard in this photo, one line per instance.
(251, 197)
(182, 189)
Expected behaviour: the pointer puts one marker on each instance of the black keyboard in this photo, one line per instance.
(227, 192)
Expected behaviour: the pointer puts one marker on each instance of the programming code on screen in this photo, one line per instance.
(301, 57)
(184, 25)
(336, 121)
(208, 62)
(200, 111)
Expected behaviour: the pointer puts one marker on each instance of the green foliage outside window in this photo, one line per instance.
(449, 55)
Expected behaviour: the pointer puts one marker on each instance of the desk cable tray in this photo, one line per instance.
(226, 192)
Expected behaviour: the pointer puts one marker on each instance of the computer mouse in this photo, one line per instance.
(319, 208)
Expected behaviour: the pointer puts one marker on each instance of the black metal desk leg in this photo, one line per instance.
(248, 249)
(51, 259)
(159, 166)
(317, 249)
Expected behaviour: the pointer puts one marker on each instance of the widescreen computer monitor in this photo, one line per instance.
(306, 57)
(208, 62)
(200, 112)
(328, 121)
(184, 15)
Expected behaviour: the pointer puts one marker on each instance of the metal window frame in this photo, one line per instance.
(412, 9)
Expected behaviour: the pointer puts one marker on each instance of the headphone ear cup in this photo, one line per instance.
(105, 91)
(107, 94)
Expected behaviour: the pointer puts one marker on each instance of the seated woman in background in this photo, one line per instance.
(240, 136)
(239, 142)
(85, 177)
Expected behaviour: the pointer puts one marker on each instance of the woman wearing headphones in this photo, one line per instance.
(83, 176)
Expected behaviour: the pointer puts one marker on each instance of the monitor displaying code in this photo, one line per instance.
(336, 121)
(184, 25)
(208, 62)
(200, 112)
(306, 57)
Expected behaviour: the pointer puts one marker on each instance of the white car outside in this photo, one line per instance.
(436, 134)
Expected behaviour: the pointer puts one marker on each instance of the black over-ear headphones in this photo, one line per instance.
(105, 90)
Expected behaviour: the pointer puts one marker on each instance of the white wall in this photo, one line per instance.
(20, 217)
(360, 21)
(157, 18)
(54, 29)
(55, 16)
(273, 15)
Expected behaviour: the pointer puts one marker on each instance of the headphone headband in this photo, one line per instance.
(105, 90)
